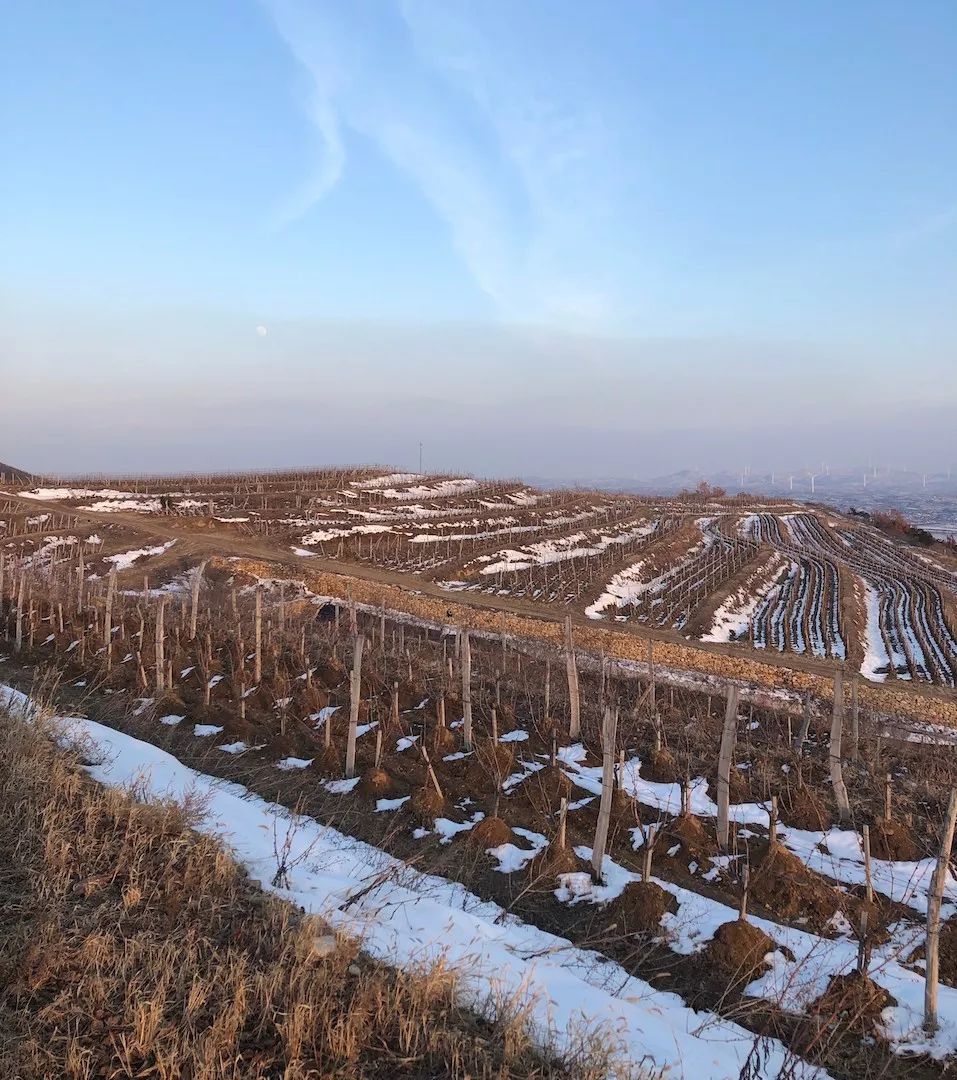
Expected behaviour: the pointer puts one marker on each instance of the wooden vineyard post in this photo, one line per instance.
(574, 699)
(466, 651)
(194, 599)
(258, 659)
(355, 691)
(728, 733)
(648, 851)
(745, 886)
(80, 581)
(108, 617)
(609, 730)
(834, 751)
(805, 726)
(934, 900)
(160, 643)
(653, 704)
(866, 845)
(394, 706)
(855, 723)
(20, 598)
(548, 689)
(560, 840)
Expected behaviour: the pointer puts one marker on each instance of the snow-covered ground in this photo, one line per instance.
(876, 661)
(410, 920)
(126, 559)
(734, 616)
(574, 546)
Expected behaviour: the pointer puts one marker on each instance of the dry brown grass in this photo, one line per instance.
(131, 946)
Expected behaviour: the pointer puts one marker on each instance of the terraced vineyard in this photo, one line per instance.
(559, 705)
(776, 578)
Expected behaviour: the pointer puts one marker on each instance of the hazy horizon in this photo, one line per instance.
(541, 240)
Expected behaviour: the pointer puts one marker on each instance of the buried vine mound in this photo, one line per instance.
(491, 832)
(738, 949)
(783, 885)
(641, 907)
(853, 1002)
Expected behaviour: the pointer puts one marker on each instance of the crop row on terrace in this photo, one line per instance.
(911, 637)
(464, 750)
(616, 557)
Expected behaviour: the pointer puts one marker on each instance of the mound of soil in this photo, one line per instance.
(443, 741)
(548, 864)
(688, 831)
(376, 784)
(894, 841)
(330, 675)
(490, 832)
(281, 746)
(494, 759)
(853, 1002)
(786, 887)
(409, 697)
(739, 789)
(802, 809)
(738, 949)
(641, 907)
(660, 768)
(236, 729)
(426, 804)
(328, 762)
(624, 806)
(545, 789)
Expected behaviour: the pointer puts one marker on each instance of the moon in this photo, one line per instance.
(261, 331)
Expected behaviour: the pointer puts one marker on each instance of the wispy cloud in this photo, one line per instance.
(457, 102)
(932, 225)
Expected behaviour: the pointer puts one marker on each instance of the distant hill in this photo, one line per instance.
(12, 475)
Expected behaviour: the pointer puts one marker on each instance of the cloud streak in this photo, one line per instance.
(507, 162)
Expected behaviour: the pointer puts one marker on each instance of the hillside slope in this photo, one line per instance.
(12, 475)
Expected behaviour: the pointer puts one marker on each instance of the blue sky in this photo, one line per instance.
(613, 238)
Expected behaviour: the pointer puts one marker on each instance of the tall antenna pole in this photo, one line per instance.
(420, 457)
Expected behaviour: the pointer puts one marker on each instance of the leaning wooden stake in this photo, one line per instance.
(574, 697)
(728, 733)
(609, 730)
(934, 900)
(834, 751)
(466, 690)
(355, 692)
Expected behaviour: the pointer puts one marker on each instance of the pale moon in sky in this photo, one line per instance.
(261, 331)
